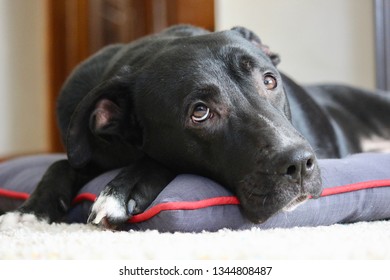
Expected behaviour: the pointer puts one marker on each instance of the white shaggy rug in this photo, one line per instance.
(366, 240)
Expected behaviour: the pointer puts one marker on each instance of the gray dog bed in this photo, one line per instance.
(356, 188)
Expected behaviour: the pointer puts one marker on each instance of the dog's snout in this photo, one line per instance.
(297, 164)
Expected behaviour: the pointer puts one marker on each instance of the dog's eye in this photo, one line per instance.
(270, 82)
(201, 113)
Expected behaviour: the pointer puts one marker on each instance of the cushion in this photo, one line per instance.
(356, 188)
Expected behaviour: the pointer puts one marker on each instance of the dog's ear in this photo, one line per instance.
(104, 114)
(254, 39)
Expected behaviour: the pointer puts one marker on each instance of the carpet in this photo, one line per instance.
(38, 240)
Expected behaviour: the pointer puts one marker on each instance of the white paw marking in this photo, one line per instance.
(14, 219)
(107, 207)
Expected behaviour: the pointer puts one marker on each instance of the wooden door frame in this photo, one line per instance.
(67, 45)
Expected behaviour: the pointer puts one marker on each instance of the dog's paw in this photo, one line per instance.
(14, 219)
(109, 211)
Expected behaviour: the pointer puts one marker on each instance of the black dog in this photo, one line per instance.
(190, 101)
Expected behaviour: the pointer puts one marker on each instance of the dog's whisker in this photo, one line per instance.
(264, 200)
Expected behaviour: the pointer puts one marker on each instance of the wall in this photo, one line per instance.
(318, 40)
(22, 77)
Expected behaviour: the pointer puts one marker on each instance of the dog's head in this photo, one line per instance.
(212, 104)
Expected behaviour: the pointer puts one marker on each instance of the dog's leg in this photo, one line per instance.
(129, 193)
(51, 199)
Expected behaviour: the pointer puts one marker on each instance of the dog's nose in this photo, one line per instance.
(297, 164)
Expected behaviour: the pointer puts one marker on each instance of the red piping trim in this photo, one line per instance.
(84, 197)
(356, 187)
(192, 205)
(14, 194)
(183, 205)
